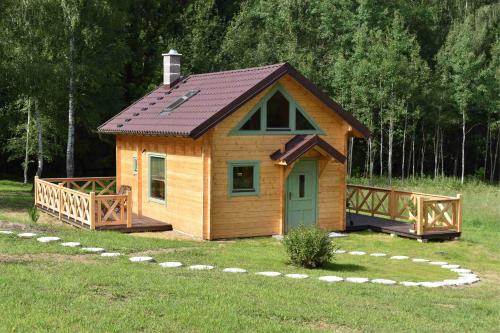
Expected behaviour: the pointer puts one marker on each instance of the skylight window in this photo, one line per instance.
(178, 102)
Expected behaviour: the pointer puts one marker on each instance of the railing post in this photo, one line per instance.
(459, 212)
(92, 210)
(392, 204)
(60, 189)
(420, 215)
(129, 209)
(36, 190)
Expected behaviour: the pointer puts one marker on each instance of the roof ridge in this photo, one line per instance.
(240, 70)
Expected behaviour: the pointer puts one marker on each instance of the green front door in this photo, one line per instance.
(301, 194)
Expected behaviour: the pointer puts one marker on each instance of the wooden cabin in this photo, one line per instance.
(249, 152)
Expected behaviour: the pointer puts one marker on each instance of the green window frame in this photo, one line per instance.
(294, 109)
(155, 176)
(252, 190)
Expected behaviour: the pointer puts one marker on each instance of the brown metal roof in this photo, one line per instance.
(219, 94)
(301, 144)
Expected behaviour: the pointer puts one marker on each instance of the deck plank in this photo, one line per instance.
(360, 222)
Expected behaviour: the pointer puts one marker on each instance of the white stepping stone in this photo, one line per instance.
(297, 276)
(336, 235)
(461, 270)
(110, 254)
(6, 232)
(434, 284)
(330, 278)
(450, 266)
(234, 270)
(420, 260)
(93, 249)
(171, 264)
(201, 267)
(270, 274)
(357, 253)
(438, 263)
(453, 282)
(71, 244)
(141, 259)
(383, 281)
(468, 280)
(357, 279)
(409, 283)
(26, 235)
(339, 251)
(399, 257)
(378, 254)
(48, 239)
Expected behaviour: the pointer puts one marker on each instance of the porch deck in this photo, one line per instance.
(360, 222)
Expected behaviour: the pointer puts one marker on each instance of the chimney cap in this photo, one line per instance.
(172, 52)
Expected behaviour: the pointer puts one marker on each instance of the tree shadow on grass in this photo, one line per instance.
(343, 267)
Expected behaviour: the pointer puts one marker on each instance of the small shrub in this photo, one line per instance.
(33, 214)
(308, 247)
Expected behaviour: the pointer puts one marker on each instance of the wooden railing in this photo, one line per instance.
(57, 196)
(426, 211)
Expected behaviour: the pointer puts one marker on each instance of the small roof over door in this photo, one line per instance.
(301, 144)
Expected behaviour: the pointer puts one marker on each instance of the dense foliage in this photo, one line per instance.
(422, 75)
(308, 246)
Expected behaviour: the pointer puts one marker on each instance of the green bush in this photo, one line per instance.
(33, 214)
(308, 247)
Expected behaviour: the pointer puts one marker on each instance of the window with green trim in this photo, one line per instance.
(157, 184)
(243, 178)
(134, 165)
(276, 113)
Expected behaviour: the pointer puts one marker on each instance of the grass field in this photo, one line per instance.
(46, 287)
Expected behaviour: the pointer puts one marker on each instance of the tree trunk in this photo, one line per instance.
(422, 152)
(381, 152)
(442, 153)
(39, 168)
(403, 158)
(463, 147)
(70, 149)
(413, 155)
(351, 147)
(389, 155)
(26, 153)
(487, 145)
(493, 161)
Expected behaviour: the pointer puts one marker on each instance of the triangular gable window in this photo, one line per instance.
(253, 123)
(277, 113)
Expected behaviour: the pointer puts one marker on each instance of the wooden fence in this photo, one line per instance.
(75, 200)
(426, 211)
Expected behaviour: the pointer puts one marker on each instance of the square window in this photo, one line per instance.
(243, 178)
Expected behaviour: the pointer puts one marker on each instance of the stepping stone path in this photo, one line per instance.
(383, 281)
(171, 264)
(234, 270)
(71, 244)
(357, 279)
(399, 257)
(48, 239)
(297, 276)
(466, 276)
(201, 267)
(420, 260)
(26, 235)
(270, 274)
(330, 278)
(93, 249)
(141, 259)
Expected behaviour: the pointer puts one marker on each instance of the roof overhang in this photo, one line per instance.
(301, 144)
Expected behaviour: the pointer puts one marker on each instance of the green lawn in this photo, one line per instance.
(46, 287)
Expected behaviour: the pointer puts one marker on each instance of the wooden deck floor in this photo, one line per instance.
(139, 224)
(359, 222)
